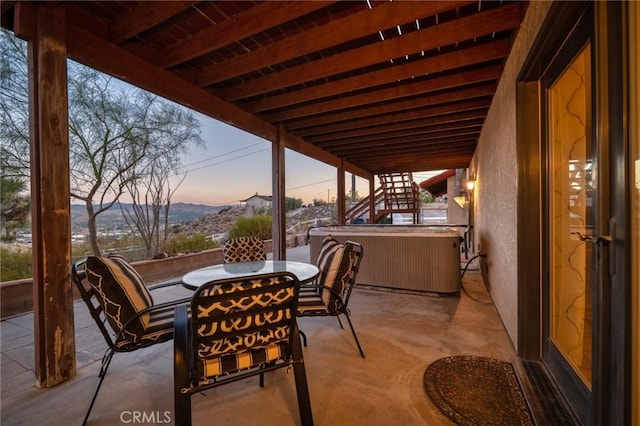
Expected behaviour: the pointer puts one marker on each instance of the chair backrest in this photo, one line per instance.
(114, 293)
(233, 317)
(88, 295)
(355, 252)
(338, 264)
(244, 249)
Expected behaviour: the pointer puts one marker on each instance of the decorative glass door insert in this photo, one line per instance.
(571, 214)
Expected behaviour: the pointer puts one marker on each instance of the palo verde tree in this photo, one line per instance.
(14, 137)
(14, 125)
(114, 130)
(115, 133)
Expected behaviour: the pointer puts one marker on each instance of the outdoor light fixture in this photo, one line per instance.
(470, 184)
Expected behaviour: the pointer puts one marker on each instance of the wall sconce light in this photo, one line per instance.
(470, 184)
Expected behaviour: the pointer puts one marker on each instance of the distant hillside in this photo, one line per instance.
(113, 218)
(223, 220)
(213, 223)
(199, 218)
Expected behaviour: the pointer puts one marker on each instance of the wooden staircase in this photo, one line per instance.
(397, 193)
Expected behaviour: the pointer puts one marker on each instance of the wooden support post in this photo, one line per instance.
(278, 197)
(372, 201)
(340, 199)
(51, 227)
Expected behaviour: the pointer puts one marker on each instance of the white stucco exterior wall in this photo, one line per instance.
(496, 170)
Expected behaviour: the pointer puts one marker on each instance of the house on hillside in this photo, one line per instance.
(258, 201)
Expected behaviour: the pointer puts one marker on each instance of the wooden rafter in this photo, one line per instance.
(328, 72)
(143, 16)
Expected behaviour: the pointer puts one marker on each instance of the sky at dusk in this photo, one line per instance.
(233, 165)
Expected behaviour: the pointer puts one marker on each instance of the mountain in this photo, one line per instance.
(114, 219)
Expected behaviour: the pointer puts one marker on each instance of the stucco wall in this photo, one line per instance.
(495, 167)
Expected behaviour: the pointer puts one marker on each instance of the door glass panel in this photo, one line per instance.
(571, 214)
(634, 63)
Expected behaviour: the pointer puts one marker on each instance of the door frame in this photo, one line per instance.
(611, 387)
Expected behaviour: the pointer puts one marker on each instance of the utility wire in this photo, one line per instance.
(226, 161)
(310, 184)
(221, 155)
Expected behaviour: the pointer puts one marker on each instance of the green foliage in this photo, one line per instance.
(14, 205)
(253, 226)
(182, 243)
(426, 197)
(292, 203)
(318, 202)
(15, 264)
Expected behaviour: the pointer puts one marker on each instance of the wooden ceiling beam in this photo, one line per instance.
(446, 121)
(409, 143)
(385, 95)
(390, 107)
(97, 53)
(413, 163)
(460, 58)
(472, 128)
(419, 164)
(398, 117)
(457, 148)
(262, 17)
(143, 16)
(445, 34)
(339, 31)
(303, 147)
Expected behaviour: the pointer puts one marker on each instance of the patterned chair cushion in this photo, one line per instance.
(334, 261)
(242, 324)
(158, 330)
(244, 249)
(121, 292)
(310, 301)
(232, 363)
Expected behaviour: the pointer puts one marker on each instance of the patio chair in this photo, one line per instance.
(122, 307)
(240, 327)
(329, 295)
(244, 249)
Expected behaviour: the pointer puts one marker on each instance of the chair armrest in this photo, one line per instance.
(181, 358)
(177, 302)
(162, 285)
(326, 287)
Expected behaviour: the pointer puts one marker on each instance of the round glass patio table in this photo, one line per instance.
(304, 271)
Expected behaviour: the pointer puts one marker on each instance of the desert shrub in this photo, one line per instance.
(15, 264)
(259, 225)
(181, 243)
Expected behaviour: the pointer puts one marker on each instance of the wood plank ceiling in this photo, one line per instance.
(384, 86)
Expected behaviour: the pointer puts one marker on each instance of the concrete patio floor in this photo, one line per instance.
(401, 334)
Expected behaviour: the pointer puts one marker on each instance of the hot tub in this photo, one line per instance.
(412, 257)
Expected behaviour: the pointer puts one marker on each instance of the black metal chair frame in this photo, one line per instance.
(187, 380)
(90, 298)
(341, 307)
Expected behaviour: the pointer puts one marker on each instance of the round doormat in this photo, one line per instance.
(473, 390)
